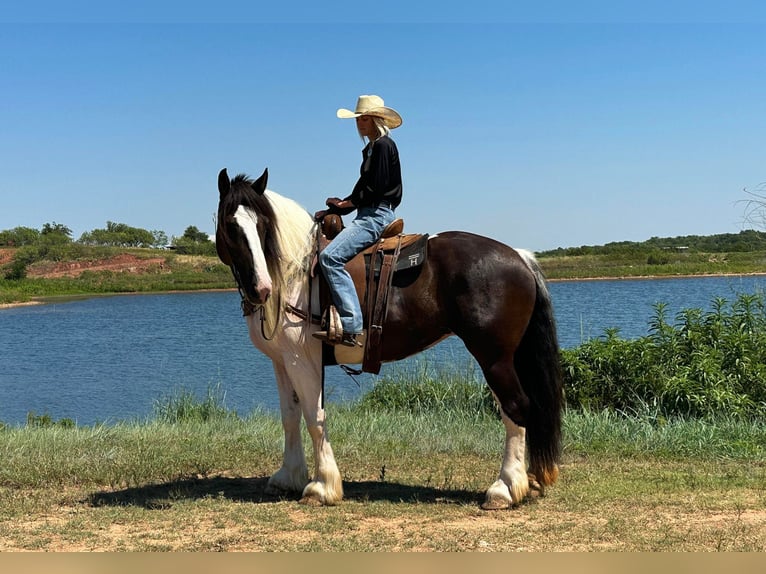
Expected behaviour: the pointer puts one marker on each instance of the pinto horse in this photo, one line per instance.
(491, 296)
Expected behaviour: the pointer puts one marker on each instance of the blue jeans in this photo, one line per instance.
(363, 231)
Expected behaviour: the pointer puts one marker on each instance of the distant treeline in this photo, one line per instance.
(193, 241)
(742, 242)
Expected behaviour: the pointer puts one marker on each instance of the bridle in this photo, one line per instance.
(250, 308)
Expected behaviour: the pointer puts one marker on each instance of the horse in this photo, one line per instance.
(491, 296)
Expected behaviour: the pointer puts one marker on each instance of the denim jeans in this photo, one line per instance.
(363, 231)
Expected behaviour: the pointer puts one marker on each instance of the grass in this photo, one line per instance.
(624, 265)
(193, 478)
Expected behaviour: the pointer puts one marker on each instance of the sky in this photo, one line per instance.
(543, 126)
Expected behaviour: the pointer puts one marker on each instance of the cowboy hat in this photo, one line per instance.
(373, 106)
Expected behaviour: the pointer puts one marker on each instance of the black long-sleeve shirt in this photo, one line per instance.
(380, 176)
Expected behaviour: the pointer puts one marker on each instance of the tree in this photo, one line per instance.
(56, 229)
(55, 234)
(119, 235)
(194, 242)
(160, 238)
(755, 207)
(194, 234)
(19, 236)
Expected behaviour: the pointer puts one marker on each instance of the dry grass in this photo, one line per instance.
(605, 505)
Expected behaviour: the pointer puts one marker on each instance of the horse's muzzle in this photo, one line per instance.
(263, 293)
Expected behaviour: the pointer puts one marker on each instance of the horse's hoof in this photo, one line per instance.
(535, 488)
(496, 504)
(310, 501)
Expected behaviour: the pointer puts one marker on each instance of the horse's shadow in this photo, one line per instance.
(163, 495)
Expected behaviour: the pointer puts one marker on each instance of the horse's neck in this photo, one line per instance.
(295, 227)
(296, 230)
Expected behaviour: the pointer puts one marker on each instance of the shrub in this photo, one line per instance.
(705, 363)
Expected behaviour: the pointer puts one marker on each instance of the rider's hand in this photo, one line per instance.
(319, 215)
(338, 203)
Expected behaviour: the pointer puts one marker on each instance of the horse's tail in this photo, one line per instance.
(538, 365)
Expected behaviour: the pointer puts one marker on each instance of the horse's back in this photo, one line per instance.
(469, 284)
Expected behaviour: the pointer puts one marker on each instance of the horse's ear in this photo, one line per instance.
(259, 185)
(224, 184)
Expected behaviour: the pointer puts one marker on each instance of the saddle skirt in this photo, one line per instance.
(413, 251)
(373, 271)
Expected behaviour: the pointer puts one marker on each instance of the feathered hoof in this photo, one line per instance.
(311, 501)
(496, 504)
(498, 497)
(535, 488)
(316, 494)
(284, 482)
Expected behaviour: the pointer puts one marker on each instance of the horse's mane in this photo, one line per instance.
(288, 239)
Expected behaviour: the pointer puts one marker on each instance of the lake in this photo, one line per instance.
(108, 359)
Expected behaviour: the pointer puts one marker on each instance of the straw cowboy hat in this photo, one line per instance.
(373, 106)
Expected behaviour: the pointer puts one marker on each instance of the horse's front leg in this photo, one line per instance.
(513, 483)
(326, 487)
(293, 475)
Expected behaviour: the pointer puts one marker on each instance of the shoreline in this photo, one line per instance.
(655, 277)
(52, 299)
(48, 300)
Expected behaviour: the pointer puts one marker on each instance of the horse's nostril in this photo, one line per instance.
(263, 293)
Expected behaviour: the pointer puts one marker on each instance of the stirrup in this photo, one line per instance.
(347, 339)
(331, 329)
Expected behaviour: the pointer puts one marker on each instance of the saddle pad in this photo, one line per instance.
(413, 254)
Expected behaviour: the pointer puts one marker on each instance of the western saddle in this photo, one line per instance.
(372, 271)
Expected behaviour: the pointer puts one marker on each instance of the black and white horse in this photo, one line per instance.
(491, 296)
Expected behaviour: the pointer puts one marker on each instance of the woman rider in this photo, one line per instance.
(374, 197)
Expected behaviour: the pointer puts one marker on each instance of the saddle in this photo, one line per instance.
(373, 271)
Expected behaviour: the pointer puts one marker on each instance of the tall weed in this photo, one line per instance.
(427, 388)
(183, 406)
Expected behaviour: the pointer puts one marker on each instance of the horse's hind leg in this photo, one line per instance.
(512, 485)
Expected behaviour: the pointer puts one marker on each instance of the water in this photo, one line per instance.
(585, 308)
(108, 359)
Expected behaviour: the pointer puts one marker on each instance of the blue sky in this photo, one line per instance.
(540, 129)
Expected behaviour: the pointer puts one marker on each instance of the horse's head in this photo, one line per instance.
(245, 234)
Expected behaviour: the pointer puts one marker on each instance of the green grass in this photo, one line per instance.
(193, 477)
(199, 438)
(644, 265)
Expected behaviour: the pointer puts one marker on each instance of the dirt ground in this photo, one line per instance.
(123, 263)
(230, 515)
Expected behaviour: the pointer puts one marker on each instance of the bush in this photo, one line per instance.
(705, 363)
(16, 271)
